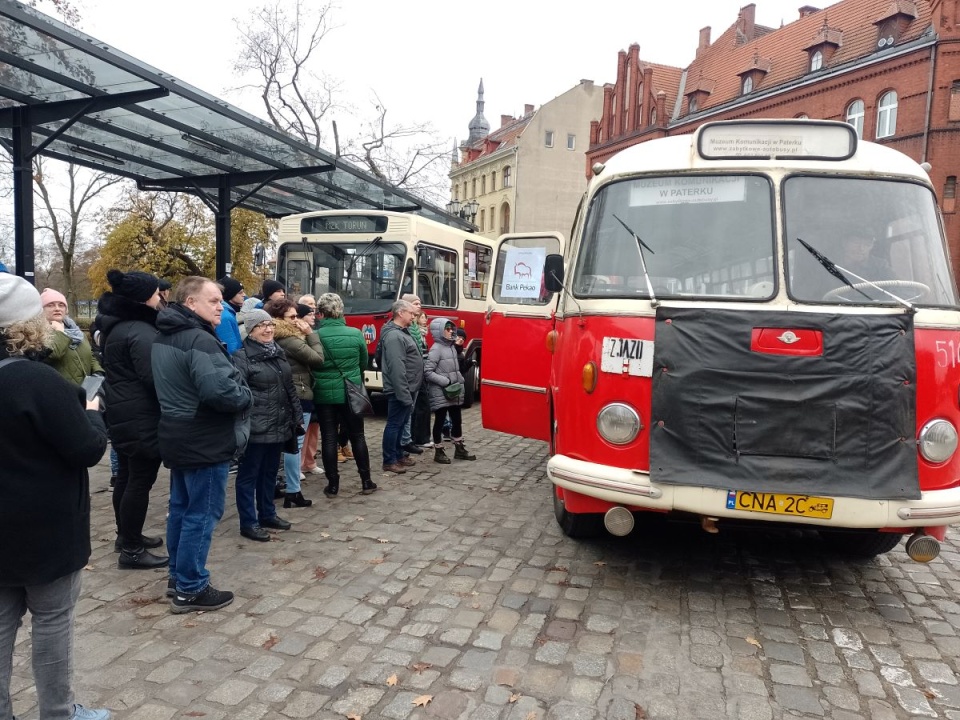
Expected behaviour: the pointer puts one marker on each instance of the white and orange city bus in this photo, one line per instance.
(756, 322)
(370, 258)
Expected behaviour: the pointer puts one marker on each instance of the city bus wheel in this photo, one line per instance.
(863, 544)
(576, 525)
(470, 384)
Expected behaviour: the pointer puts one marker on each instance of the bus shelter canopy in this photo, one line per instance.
(84, 102)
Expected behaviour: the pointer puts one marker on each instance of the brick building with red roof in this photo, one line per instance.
(891, 68)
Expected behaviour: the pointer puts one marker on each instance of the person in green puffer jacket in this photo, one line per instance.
(345, 356)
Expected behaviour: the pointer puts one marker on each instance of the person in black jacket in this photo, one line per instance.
(127, 318)
(49, 435)
(275, 420)
(203, 426)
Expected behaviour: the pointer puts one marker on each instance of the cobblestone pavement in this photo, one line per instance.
(454, 583)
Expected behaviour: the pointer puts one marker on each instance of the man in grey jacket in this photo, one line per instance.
(402, 370)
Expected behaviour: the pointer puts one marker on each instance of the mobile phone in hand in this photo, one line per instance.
(91, 385)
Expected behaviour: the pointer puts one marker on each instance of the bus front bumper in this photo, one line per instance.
(633, 488)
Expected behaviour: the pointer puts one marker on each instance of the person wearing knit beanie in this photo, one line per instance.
(270, 290)
(254, 318)
(19, 300)
(137, 286)
(231, 288)
(229, 328)
(49, 295)
(303, 310)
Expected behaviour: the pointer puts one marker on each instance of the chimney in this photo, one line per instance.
(748, 14)
(704, 40)
(808, 10)
(505, 120)
(527, 109)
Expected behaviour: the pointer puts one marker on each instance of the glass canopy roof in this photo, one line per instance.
(172, 140)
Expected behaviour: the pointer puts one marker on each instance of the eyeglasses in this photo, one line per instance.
(267, 324)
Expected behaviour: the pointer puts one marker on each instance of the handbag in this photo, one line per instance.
(355, 394)
(452, 391)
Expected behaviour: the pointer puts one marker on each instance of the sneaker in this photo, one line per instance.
(315, 470)
(412, 449)
(171, 587)
(207, 599)
(395, 468)
(82, 713)
(302, 477)
(407, 461)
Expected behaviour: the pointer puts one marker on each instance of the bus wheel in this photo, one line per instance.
(861, 543)
(470, 385)
(576, 525)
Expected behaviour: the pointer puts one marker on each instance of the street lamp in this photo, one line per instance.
(468, 210)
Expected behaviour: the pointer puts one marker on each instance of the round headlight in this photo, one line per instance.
(938, 440)
(618, 423)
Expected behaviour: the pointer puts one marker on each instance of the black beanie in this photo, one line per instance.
(303, 310)
(231, 286)
(270, 287)
(137, 286)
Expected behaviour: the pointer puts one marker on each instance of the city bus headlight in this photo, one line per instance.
(618, 423)
(937, 441)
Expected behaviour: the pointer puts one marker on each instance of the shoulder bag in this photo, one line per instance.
(356, 395)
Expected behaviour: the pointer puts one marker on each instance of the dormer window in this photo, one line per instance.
(816, 60)
(887, 37)
(896, 19)
(752, 75)
(692, 105)
(698, 94)
(747, 86)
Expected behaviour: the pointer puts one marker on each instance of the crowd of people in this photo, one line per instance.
(207, 383)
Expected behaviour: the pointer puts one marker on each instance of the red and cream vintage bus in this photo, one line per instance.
(370, 258)
(756, 322)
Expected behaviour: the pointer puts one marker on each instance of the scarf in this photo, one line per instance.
(417, 334)
(72, 331)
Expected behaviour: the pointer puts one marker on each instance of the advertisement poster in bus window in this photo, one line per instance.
(686, 190)
(523, 272)
(471, 265)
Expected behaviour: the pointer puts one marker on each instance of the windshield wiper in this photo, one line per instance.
(643, 262)
(363, 251)
(838, 272)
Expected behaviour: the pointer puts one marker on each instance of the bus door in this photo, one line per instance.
(515, 384)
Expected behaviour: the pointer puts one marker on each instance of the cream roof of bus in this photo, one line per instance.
(679, 153)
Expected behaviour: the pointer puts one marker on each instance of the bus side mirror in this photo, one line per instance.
(553, 273)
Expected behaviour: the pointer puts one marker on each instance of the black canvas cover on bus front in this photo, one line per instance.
(842, 423)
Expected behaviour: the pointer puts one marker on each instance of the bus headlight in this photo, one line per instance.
(618, 423)
(937, 441)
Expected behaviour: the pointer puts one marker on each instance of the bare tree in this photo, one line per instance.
(64, 223)
(278, 45)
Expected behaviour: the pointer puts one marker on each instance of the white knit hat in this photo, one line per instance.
(19, 300)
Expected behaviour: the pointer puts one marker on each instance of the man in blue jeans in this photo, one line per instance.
(402, 371)
(203, 425)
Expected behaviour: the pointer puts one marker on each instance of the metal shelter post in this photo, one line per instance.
(223, 262)
(23, 194)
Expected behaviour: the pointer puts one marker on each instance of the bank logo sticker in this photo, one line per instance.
(523, 272)
(627, 356)
(369, 333)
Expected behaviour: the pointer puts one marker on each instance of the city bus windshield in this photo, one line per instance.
(367, 274)
(883, 231)
(709, 236)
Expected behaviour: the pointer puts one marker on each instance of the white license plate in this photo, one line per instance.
(627, 356)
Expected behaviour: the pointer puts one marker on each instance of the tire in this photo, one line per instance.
(863, 544)
(576, 525)
(470, 385)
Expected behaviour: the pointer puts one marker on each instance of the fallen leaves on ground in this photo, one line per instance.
(514, 697)
(930, 694)
(532, 715)
(194, 713)
(641, 713)
(392, 680)
(375, 561)
(281, 561)
(359, 519)
(270, 642)
(324, 535)
(382, 540)
(354, 716)
(319, 573)
(753, 641)
(420, 667)
(422, 700)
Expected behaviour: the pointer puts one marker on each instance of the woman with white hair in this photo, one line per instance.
(345, 356)
(49, 435)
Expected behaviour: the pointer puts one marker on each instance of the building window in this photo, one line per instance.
(653, 115)
(493, 181)
(474, 185)
(504, 218)
(456, 191)
(483, 185)
(465, 196)
(803, 116)
(483, 219)
(816, 60)
(855, 116)
(950, 194)
(548, 138)
(571, 142)
(747, 84)
(507, 177)
(887, 115)
(954, 112)
(692, 105)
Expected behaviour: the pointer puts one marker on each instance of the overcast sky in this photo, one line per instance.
(425, 57)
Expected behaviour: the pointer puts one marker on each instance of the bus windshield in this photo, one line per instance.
(709, 236)
(366, 274)
(884, 231)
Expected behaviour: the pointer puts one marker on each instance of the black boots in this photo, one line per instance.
(296, 500)
(367, 487)
(460, 452)
(332, 488)
(439, 456)
(147, 541)
(140, 558)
